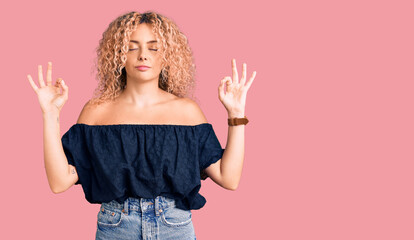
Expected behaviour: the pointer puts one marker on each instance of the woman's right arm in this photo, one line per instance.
(61, 176)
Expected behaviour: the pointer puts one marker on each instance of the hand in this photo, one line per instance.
(234, 98)
(49, 95)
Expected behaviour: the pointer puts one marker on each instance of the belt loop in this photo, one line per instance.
(156, 206)
(125, 210)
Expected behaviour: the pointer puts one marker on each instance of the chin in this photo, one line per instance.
(139, 77)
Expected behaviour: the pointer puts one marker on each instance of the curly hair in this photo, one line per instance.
(178, 69)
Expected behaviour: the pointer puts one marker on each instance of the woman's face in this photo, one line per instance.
(143, 50)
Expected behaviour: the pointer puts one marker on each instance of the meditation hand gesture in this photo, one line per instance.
(49, 95)
(234, 97)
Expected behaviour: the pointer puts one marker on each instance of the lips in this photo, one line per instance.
(142, 67)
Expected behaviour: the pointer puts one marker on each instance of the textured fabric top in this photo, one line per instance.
(118, 161)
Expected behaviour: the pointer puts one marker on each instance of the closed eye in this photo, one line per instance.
(137, 48)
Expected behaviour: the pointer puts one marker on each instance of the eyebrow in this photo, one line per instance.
(152, 41)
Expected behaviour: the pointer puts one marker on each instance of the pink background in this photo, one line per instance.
(329, 146)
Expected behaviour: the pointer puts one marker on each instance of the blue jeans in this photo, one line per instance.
(144, 218)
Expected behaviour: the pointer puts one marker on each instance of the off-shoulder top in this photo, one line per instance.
(114, 162)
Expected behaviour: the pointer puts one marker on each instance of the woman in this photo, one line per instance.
(140, 147)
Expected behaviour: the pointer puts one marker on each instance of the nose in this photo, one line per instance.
(142, 55)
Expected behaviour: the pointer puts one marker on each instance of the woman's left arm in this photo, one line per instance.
(234, 100)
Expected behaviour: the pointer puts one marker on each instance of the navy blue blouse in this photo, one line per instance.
(118, 161)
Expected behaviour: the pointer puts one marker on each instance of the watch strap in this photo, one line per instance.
(237, 121)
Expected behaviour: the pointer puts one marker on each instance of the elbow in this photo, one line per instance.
(230, 183)
(232, 187)
(63, 185)
(57, 189)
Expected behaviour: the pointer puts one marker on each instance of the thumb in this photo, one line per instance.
(221, 89)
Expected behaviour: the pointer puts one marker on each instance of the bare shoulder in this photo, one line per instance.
(192, 110)
(89, 112)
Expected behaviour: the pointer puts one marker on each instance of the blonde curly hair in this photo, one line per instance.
(178, 69)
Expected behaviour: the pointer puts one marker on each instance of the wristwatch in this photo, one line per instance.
(237, 121)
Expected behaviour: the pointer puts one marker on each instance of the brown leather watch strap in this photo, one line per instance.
(237, 121)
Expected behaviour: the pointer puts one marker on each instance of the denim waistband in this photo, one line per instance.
(156, 205)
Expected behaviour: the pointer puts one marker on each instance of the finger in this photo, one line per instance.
(249, 83)
(243, 78)
(235, 74)
(49, 74)
(57, 83)
(65, 90)
(41, 82)
(228, 80)
(35, 88)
